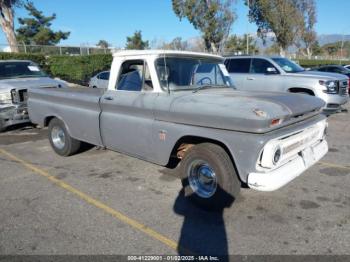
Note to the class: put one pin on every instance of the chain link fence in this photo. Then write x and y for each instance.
(57, 50)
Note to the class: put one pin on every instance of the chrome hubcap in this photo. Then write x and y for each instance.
(58, 137)
(202, 178)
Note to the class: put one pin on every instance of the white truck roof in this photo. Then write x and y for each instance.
(162, 52)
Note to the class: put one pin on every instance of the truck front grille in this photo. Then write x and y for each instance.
(343, 88)
(19, 96)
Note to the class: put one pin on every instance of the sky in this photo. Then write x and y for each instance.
(114, 20)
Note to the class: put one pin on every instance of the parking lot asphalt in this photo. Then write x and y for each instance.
(102, 202)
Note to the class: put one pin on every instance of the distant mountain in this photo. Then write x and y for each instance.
(326, 39)
(322, 40)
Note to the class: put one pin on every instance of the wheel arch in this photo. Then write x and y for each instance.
(301, 90)
(48, 119)
(187, 141)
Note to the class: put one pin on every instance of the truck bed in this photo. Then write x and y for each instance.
(79, 107)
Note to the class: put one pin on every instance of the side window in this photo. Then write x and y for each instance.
(323, 69)
(259, 66)
(334, 70)
(240, 65)
(104, 76)
(134, 76)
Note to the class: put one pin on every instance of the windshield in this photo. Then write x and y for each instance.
(182, 73)
(19, 69)
(288, 66)
(345, 70)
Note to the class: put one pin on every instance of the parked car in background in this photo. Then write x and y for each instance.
(170, 106)
(260, 73)
(334, 69)
(16, 77)
(100, 80)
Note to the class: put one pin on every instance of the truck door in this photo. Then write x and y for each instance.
(239, 70)
(263, 76)
(127, 112)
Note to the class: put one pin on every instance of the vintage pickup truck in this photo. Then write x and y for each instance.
(170, 106)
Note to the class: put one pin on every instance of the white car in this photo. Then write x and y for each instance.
(16, 78)
(100, 80)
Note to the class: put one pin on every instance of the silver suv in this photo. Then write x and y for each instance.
(260, 73)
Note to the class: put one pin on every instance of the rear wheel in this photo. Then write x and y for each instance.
(62, 143)
(208, 177)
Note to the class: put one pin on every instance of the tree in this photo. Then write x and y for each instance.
(238, 45)
(316, 49)
(273, 49)
(7, 23)
(176, 44)
(103, 44)
(37, 30)
(307, 33)
(136, 42)
(282, 17)
(339, 48)
(213, 18)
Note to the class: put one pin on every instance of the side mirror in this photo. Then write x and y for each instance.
(271, 71)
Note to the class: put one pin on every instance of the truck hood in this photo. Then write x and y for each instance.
(27, 83)
(240, 110)
(322, 75)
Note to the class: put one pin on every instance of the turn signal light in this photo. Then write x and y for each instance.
(276, 121)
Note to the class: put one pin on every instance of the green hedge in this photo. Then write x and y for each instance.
(78, 69)
(316, 63)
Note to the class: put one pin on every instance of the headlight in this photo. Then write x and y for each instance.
(271, 154)
(277, 155)
(331, 86)
(5, 97)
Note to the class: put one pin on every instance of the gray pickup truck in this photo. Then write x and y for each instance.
(16, 77)
(261, 73)
(170, 106)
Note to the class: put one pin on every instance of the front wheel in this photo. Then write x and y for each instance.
(61, 142)
(209, 177)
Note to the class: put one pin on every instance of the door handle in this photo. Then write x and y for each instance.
(109, 98)
(250, 78)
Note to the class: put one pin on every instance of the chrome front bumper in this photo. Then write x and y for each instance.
(282, 175)
(333, 101)
(14, 114)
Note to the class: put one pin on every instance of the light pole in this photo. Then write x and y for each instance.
(247, 48)
(341, 48)
(247, 43)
